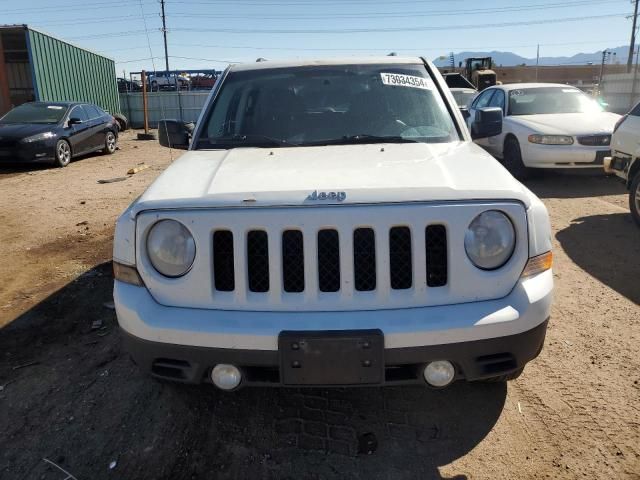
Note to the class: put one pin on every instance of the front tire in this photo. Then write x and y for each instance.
(513, 159)
(63, 153)
(110, 143)
(634, 199)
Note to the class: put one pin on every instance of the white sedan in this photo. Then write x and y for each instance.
(546, 126)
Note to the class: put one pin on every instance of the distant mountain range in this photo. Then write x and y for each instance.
(510, 59)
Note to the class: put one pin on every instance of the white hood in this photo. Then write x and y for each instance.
(365, 173)
(568, 123)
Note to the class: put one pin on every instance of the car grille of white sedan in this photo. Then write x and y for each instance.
(595, 140)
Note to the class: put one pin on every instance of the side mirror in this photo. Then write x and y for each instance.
(487, 123)
(174, 134)
(74, 121)
(464, 110)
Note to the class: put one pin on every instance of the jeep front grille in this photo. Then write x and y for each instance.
(335, 258)
(399, 255)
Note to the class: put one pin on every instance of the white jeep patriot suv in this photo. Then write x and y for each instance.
(332, 223)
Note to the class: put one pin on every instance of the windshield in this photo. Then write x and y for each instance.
(463, 98)
(35, 113)
(533, 101)
(327, 105)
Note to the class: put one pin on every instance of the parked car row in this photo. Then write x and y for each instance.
(161, 81)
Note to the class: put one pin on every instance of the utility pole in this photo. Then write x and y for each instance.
(632, 47)
(537, 61)
(164, 33)
(604, 58)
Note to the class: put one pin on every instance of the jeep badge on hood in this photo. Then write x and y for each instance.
(336, 196)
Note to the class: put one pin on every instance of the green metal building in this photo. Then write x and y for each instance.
(37, 66)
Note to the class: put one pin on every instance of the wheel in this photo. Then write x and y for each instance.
(506, 377)
(123, 123)
(110, 143)
(634, 198)
(513, 159)
(63, 153)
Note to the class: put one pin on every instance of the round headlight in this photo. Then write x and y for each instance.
(490, 240)
(171, 248)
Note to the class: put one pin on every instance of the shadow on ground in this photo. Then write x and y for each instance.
(69, 394)
(575, 184)
(588, 241)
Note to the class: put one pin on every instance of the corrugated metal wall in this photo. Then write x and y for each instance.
(618, 91)
(175, 105)
(64, 72)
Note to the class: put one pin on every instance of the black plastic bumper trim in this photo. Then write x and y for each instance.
(473, 360)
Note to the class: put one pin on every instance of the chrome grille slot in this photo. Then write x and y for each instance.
(400, 258)
(364, 259)
(258, 261)
(328, 261)
(292, 261)
(223, 270)
(436, 251)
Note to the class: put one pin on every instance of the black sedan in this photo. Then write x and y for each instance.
(55, 132)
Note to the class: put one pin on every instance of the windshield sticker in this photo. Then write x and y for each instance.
(517, 93)
(54, 107)
(399, 80)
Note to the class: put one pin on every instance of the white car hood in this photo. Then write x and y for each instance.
(568, 123)
(380, 173)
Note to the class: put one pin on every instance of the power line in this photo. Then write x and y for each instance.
(88, 20)
(405, 14)
(205, 59)
(361, 30)
(314, 3)
(70, 6)
(397, 29)
(386, 48)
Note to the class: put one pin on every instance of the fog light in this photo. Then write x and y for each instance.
(439, 373)
(226, 377)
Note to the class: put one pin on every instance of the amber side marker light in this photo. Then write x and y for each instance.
(127, 274)
(538, 264)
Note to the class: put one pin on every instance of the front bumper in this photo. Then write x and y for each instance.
(27, 152)
(563, 156)
(618, 164)
(482, 339)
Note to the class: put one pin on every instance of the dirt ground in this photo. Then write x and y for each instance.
(68, 394)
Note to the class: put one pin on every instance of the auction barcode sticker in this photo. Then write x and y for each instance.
(400, 80)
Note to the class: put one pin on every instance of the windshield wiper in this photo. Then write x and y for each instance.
(253, 140)
(363, 138)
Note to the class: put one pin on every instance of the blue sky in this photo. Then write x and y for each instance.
(208, 33)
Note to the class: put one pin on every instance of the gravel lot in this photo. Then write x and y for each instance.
(69, 395)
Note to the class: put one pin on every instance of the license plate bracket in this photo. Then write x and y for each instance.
(354, 357)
